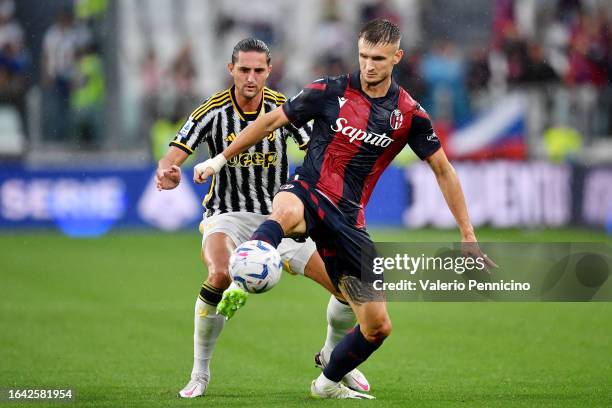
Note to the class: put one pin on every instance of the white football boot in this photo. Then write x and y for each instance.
(336, 391)
(196, 387)
(355, 379)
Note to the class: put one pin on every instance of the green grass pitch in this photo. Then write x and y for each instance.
(112, 318)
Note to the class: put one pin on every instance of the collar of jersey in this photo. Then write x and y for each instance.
(245, 116)
(390, 97)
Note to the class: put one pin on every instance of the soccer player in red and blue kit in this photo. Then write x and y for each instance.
(361, 122)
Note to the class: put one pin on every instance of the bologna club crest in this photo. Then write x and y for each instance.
(396, 119)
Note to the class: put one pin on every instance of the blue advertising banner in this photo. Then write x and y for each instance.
(90, 202)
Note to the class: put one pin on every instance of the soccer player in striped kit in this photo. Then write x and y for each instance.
(240, 198)
(361, 122)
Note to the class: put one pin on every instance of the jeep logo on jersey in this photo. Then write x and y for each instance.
(254, 159)
(396, 119)
(360, 134)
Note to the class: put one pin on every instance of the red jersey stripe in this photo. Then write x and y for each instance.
(400, 136)
(339, 153)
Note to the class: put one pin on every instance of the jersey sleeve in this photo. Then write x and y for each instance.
(301, 136)
(422, 139)
(195, 130)
(307, 104)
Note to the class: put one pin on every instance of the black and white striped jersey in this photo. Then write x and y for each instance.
(249, 181)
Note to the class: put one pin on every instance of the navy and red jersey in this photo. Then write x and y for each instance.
(355, 137)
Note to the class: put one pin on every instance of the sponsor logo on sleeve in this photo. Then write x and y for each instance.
(433, 137)
(186, 127)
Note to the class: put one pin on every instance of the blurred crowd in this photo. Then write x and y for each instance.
(15, 61)
(560, 49)
(565, 45)
(569, 45)
(168, 95)
(72, 75)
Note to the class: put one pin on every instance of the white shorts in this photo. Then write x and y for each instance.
(239, 226)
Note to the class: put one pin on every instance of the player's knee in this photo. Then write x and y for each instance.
(377, 333)
(287, 215)
(218, 276)
(386, 328)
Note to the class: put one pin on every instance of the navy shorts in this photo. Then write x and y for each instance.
(347, 251)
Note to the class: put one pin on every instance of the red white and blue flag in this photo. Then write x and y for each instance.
(498, 134)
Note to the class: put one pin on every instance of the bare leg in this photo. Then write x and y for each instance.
(315, 270)
(216, 253)
(374, 320)
(288, 211)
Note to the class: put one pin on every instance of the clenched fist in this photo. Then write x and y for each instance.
(168, 178)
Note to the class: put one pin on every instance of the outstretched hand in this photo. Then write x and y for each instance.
(471, 249)
(168, 178)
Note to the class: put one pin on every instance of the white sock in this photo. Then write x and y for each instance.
(322, 382)
(340, 319)
(207, 327)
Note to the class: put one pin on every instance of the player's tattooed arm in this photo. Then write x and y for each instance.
(168, 174)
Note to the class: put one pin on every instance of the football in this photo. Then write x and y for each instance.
(256, 266)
